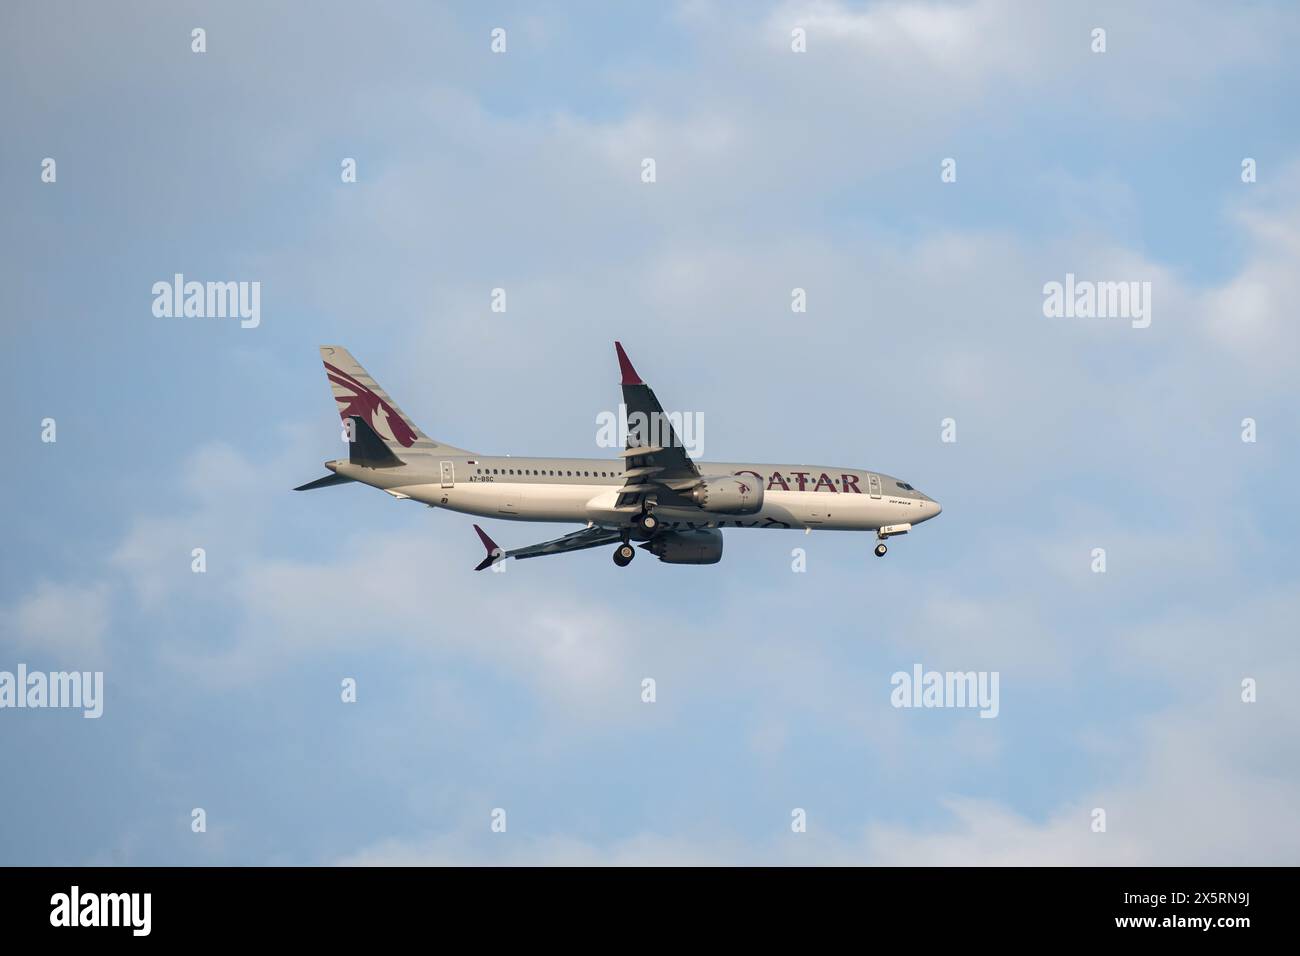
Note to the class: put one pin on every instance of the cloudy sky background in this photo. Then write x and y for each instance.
(775, 170)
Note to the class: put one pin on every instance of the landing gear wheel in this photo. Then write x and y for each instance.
(624, 554)
(881, 550)
(648, 523)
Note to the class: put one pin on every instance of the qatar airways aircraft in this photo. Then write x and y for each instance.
(653, 493)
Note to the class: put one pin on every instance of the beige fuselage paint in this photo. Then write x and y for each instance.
(585, 490)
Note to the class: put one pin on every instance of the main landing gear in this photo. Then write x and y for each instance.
(646, 526)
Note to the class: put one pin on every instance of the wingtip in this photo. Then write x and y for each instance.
(493, 552)
(630, 377)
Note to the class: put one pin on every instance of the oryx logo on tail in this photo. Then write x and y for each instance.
(365, 403)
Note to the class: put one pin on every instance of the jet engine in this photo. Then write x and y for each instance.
(699, 546)
(729, 494)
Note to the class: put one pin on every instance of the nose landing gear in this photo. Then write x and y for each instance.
(888, 531)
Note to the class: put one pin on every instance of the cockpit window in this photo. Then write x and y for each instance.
(905, 486)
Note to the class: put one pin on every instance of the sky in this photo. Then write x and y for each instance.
(1158, 691)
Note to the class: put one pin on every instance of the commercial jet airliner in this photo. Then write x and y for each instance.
(653, 493)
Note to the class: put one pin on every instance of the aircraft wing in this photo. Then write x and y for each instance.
(657, 462)
(592, 537)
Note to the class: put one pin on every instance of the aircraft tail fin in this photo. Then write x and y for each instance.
(360, 397)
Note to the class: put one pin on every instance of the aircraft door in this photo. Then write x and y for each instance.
(448, 474)
(873, 485)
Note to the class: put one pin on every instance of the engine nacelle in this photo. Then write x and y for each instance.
(699, 546)
(729, 494)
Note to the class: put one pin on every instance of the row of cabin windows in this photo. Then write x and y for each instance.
(544, 473)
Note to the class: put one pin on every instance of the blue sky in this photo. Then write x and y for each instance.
(775, 170)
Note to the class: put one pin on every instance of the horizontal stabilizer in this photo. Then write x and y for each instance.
(324, 482)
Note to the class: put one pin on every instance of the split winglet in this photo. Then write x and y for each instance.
(493, 552)
(630, 377)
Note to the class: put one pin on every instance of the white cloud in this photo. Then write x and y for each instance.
(1198, 796)
(1252, 316)
(1198, 793)
(66, 622)
(509, 849)
(952, 43)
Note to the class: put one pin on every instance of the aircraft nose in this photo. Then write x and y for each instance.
(930, 508)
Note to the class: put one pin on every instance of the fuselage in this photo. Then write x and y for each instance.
(586, 489)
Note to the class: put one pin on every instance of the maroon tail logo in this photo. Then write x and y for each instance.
(365, 403)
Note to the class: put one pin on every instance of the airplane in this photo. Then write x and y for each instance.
(652, 494)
